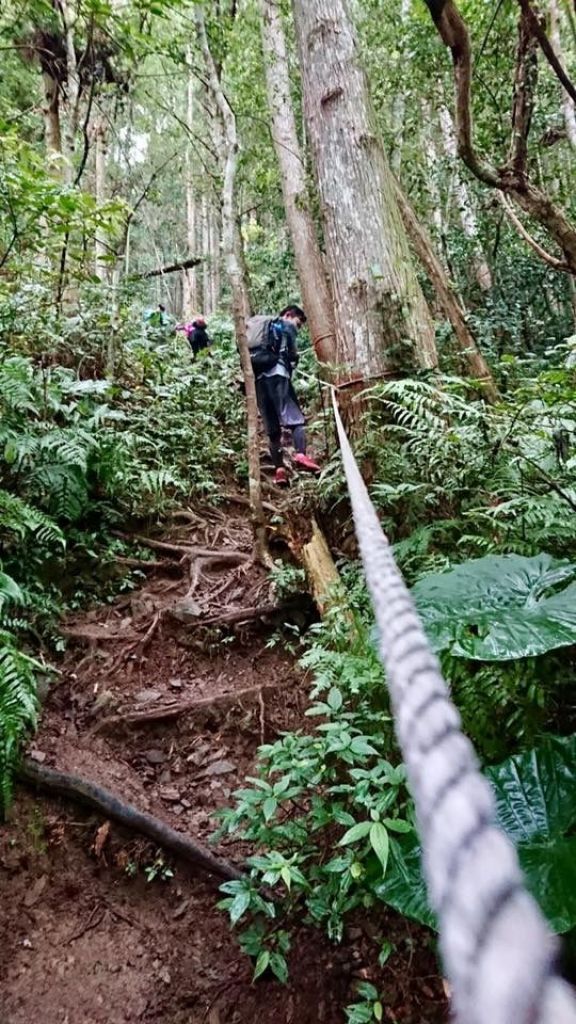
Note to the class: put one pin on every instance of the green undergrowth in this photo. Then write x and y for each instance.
(84, 456)
(479, 504)
(328, 813)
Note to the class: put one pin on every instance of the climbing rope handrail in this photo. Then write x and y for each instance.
(498, 952)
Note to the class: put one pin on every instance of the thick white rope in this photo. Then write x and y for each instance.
(498, 952)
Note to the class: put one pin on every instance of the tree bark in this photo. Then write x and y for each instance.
(476, 365)
(314, 288)
(568, 108)
(51, 113)
(383, 324)
(240, 303)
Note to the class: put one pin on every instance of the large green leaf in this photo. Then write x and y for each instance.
(536, 804)
(550, 870)
(500, 607)
(536, 791)
(403, 887)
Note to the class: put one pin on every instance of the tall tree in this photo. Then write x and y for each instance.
(314, 288)
(383, 324)
(240, 300)
(189, 280)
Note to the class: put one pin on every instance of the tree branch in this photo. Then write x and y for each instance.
(553, 261)
(538, 29)
(532, 200)
(525, 77)
(454, 34)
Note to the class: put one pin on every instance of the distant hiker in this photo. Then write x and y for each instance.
(156, 317)
(272, 344)
(197, 335)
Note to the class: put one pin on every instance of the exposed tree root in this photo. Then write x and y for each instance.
(193, 551)
(174, 710)
(82, 791)
(242, 499)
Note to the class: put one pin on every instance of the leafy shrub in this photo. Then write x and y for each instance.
(328, 812)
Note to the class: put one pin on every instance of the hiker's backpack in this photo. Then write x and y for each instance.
(265, 342)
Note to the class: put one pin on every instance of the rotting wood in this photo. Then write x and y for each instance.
(83, 791)
(322, 574)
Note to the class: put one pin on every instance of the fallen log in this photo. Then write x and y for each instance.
(170, 269)
(83, 791)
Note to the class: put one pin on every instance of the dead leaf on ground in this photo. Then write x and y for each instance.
(100, 840)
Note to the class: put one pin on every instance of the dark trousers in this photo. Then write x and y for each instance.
(279, 408)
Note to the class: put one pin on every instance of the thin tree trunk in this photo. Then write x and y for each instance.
(240, 307)
(189, 279)
(207, 254)
(399, 109)
(567, 102)
(215, 255)
(465, 204)
(432, 164)
(314, 288)
(51, 113)
(383, 324)
(101, 152)
(69, 18)
(475, 363)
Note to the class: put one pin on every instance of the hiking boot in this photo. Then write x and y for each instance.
(281, 477)
(305, 462)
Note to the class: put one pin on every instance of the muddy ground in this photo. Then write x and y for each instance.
(86, 938)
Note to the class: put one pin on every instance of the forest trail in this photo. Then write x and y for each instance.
(88, 939)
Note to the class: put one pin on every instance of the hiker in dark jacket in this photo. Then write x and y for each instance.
(277, 400)
(196, 334)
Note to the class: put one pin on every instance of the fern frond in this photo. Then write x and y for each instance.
(21, 518)
(18, 708)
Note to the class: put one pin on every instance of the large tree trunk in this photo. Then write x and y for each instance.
(476, 365)
(466, 213)
(383, 324)
(567, 101)
(314, 289)
(240, 304)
